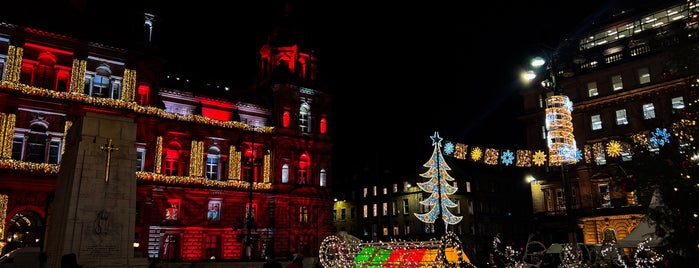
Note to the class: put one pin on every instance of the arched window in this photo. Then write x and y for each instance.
(286, 119)
(323, 126)
(172, 160)
(36, 142)
(305, 118)
(213, 167)
(304, 166)
(323, 179)
(285, 173)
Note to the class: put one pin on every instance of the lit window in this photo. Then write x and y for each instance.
(323, 126)
(212, 163)
(305, 118)
(648, 111)
(366, 211)
(285, 173)
(621, 117)
(366, 191)
(596, 122)
(385, 191)
(303, 214)
(617, 84)
(678, 103)
(592, 89)
(406, 207)
(395, 187)
(394, 207)
(323, 178)
(384, 209)
(375, 191)
(643, 76)
(375, 210)
(140, 156)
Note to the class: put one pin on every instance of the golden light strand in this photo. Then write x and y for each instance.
(196, 162)
(3, 215)
(267, 173)
(8, 132)
(77, 76)
(65, 134)
(14, 63)
(158, 154)
(234, 164)
(129, 90)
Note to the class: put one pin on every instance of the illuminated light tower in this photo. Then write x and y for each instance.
(559, 134)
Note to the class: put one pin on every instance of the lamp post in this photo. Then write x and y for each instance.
(249, 219)
(559, 134)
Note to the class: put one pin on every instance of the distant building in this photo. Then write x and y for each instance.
(620, 79)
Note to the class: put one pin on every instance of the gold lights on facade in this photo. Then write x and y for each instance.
(559, 129)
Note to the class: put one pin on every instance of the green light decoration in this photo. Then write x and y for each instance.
(439, 187)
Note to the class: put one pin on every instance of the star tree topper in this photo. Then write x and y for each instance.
(439, 187)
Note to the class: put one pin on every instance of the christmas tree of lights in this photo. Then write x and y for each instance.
(439, 188)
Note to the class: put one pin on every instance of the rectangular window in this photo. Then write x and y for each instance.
(406, 208)
(376, 191)
(366, 191)
(643, 76)
(54, 150)
(458, 206)
(678, 103)
(212, 245)
(303, 214)
(375, 210)
(396, 230)
(407, 228)
(406, 186)
(214, 208)
(621, 117)
(543, 132)
(395, 187)
(384, 209)
(617, 84)
(592, 89)
(140, 156)
(171, 213)
(648, 111)
(394, 207)
(596, 122)
(385, 190)
(366, 211)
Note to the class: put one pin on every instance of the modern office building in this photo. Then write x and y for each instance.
(202, 171)
(626, 92)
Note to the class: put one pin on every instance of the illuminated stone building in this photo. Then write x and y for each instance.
(621, 82)
(198, 145)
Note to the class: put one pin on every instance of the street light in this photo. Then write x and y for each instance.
(559, 133)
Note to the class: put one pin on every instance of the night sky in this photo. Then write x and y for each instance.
(399, 72)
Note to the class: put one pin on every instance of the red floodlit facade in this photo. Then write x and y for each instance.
(196, 153)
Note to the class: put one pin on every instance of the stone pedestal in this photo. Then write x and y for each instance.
(93, 214)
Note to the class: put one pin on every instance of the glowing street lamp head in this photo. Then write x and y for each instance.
(538, 62)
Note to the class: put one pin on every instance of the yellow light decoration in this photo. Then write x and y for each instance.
(38, 168)
(539, 158)
(3, 215)
(524, 158)
(196, 163)
(559, 129)
(14, 63)
(158, 154)
(476, 154)
(614, 148)
(8, 132)
(65, 133)
(460, 151)
(234, 163)
(200, 181)
(267, 173)
(131, 106)
(491, 156)
(77, 75)
(129, 89)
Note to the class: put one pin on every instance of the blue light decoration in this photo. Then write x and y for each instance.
(507, 158)
(448, 148)
(659, 138)
(439, 187)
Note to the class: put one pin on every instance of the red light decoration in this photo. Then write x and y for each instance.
(286, 119)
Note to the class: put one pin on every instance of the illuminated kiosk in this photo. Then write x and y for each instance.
(447, 252)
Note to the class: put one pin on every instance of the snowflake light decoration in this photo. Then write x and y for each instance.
(448, 148)
(476, 154)
(539, 158)
(578, 155)
(614, 148)
(507, 158)
(659, 138)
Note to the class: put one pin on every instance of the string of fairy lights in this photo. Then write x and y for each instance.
(445, 252)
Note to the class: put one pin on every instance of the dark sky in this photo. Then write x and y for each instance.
(399, 71)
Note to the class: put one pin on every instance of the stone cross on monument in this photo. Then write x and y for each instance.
(108, 148)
